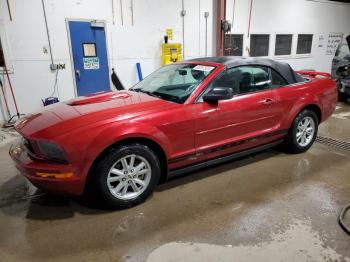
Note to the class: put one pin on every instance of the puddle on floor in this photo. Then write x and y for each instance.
(298, 243)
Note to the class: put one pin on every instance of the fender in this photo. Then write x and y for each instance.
(117, 133)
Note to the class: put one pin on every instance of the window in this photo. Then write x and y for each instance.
(259, 45)
(228, 79)
(174, 82)
(276, 79)
(283, 45)
(233, 45)
(246, 79)
(304, 44)
(260, 79)
(89, 49)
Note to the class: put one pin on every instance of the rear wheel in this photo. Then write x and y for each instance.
(303, 132)
(126, 175)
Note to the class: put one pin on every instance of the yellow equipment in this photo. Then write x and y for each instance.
(171, 52)
(169, 33)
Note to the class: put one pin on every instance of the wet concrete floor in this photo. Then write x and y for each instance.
(274, 205)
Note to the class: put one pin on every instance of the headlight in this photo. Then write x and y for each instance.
(46, 150)
(52, 152)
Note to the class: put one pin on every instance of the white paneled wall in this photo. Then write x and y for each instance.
(292, 17)
(128, 44)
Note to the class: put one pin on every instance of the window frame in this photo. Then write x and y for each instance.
(291, 46)
(297, 42)
(199, 98)
(268, 47)
(236, 34)
(95, 48)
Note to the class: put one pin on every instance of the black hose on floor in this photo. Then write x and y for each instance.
(341, 219)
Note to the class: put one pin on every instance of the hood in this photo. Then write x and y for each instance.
(99, 98)
(60, 118)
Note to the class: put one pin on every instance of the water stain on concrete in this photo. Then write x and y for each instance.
(299, 242)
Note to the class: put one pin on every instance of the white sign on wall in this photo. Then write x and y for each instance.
(321, 40)
(334, 39)
(91, 63)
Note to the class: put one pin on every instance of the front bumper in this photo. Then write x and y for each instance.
(31, 169)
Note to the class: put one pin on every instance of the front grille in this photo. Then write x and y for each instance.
(332, 142)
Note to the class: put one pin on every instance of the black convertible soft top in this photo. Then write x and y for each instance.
(233, 61)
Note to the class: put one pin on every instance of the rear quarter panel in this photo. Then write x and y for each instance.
(321, 92)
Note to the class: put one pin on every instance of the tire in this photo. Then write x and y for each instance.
(300, 138)
(347, 96)
(114, 172)
(342, 97)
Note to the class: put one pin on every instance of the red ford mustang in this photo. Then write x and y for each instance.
(185, 116)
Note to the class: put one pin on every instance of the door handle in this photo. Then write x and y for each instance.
(77, 73)
(268, 101)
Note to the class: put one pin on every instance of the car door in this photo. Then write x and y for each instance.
(242, 121)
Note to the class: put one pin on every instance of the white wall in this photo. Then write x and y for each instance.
(32, 79)
(292, 17)
(26, 36)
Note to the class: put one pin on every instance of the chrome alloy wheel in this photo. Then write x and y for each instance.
(305, 131)
(129, 177)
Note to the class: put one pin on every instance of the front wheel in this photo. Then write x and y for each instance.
(126, 175)
(303, 132)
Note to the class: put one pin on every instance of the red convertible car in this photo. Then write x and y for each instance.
(117, 145)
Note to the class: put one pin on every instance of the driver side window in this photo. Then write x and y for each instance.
(228, 79)
(243, 79)
(248, 79)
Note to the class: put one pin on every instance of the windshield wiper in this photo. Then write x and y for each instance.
(148, 93)
(168, 97)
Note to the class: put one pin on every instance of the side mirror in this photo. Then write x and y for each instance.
(218, 93)
(182, 72)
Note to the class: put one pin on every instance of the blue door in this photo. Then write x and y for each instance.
(90, 57)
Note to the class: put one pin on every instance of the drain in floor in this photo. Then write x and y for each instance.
(333, 142)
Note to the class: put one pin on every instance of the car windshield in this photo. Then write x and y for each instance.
(174, 82)
(342, 51)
